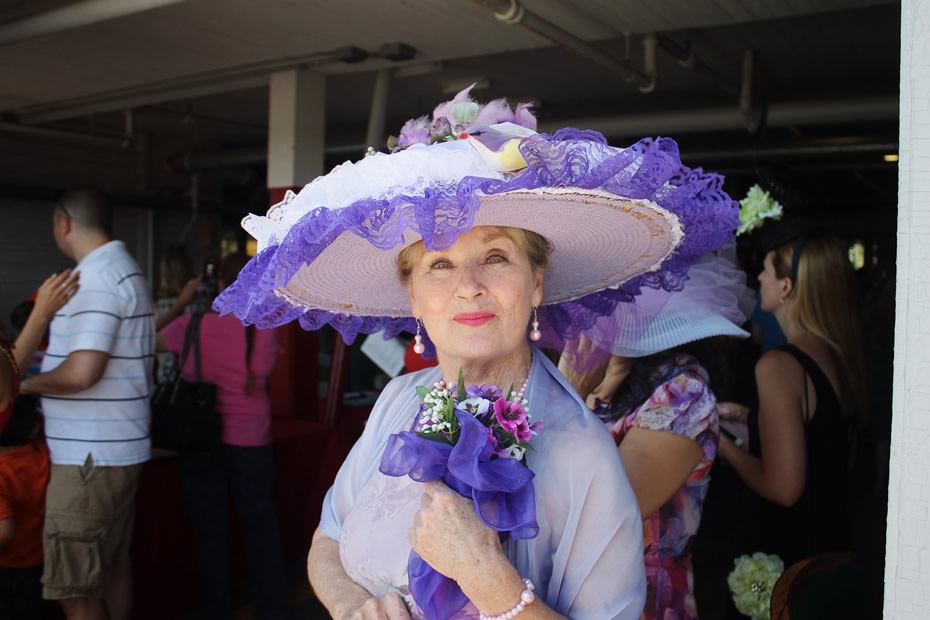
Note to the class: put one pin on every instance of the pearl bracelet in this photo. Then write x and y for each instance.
(526, 597)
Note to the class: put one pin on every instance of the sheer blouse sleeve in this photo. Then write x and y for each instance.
(394, 409)
(587, 561)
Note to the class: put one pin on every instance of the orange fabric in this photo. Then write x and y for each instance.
(23, 477)
(7, 350)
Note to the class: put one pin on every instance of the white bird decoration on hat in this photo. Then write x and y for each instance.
(498, 144)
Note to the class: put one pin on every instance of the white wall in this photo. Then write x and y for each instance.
(907, 562)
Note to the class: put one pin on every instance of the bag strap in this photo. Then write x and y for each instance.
(249, 343)
(191, 338)
(197, 320)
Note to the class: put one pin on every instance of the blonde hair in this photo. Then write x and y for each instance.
(536, 247)
(825, 305)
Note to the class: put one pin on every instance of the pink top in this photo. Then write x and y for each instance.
(246, 417)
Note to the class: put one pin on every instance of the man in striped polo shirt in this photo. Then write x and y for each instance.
(95, 386)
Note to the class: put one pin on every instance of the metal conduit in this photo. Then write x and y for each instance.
(512, 12)
(220, 80)
(64, 135)
(730, 118)
(74, 15)
(253, 156)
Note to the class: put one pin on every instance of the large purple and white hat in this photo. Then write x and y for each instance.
(617, 219)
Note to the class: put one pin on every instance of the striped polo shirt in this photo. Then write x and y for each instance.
(111, 312)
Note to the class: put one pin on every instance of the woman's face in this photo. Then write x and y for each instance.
(773, 289)
(475, 298)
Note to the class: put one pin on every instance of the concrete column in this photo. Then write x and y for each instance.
(907, 559)
(296, 128)
(377, 118)
(296, 132)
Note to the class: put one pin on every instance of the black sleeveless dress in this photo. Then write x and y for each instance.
(819, 521)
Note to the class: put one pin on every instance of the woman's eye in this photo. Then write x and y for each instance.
(496, 258)
(440, 264)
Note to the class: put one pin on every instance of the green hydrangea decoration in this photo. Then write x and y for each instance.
(752, 581)
(755, 208)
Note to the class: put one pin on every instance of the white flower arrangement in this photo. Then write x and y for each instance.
(506, 417)
(755, 208)
(752, 581)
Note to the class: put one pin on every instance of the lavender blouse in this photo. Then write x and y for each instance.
(586, 562)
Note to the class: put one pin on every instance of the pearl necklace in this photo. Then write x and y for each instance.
(441, 388)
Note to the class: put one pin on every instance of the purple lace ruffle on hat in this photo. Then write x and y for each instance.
(650, 169)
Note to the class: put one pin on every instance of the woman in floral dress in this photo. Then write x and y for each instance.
(656, 399)
(681, 412)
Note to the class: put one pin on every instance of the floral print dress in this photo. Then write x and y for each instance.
(682, 404)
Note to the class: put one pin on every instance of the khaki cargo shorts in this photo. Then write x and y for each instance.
(88, 527)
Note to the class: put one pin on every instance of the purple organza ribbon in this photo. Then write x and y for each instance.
(502, 492)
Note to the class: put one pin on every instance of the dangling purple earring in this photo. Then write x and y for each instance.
(535, 334)
(418, 346)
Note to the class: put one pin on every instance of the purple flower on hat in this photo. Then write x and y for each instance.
(440, 128)
(497, 111)
(512, 417)
(445, 110)
(414, 131)
(523, 117)
(486, 391)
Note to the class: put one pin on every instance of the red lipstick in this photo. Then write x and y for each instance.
(473, 319)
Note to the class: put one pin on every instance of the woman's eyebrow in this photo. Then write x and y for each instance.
(491, 236)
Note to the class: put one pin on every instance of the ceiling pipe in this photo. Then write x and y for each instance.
(228, 158)
(686, 57)
(199, 84)
(514, 13)
(74, 15)
(194, 163)
(730, 118)
(237, 158)
(810, 149)
(625, 125)
(62, 135)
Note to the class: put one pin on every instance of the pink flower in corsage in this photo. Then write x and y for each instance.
(513, 418)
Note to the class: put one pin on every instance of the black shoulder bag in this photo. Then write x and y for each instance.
(184, 416)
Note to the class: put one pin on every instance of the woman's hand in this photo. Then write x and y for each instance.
(449, 535)
(733, 411)
(189, 293)
(185, 298)
(583, 364)
(54, 293)
(388, 607)
(618, 368)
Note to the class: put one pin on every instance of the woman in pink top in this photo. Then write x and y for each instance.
(238, 360)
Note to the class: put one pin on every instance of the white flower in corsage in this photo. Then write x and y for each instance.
(755, 208)
(752, 582)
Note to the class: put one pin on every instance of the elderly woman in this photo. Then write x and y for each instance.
(467, 240)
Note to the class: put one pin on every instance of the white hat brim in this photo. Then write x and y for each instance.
(598, 240)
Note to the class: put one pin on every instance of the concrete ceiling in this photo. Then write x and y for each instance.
(197, 36)
(805, 50)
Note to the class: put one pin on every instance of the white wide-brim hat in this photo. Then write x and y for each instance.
(715, 301)
(615, 218)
